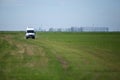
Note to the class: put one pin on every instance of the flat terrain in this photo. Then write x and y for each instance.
(60, 56)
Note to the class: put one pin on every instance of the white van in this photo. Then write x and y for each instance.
(30, 33)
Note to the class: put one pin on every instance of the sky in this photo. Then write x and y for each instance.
(19, 14)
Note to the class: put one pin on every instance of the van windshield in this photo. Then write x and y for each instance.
(30, 31)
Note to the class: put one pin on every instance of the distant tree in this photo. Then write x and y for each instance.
(107, 29)
(59, 29)
(51, 29)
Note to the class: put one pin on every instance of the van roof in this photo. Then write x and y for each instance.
(30, 28)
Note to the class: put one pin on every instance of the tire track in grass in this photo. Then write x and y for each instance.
(44, 59)
(53, 69)
(68, 68)
(56, 64)
(61, 60)
(33, 52)
(93, 59)
(29, 57)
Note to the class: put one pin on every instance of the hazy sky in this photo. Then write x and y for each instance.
(18, 14)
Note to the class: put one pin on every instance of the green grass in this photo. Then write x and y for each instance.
(60, 56)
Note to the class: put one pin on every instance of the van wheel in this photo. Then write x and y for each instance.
(26, 37)
(33, 37)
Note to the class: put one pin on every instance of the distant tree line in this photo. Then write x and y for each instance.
(80, 29)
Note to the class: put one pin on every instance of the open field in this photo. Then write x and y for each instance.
(60, 56)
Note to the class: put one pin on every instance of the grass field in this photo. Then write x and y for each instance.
(60, 56)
